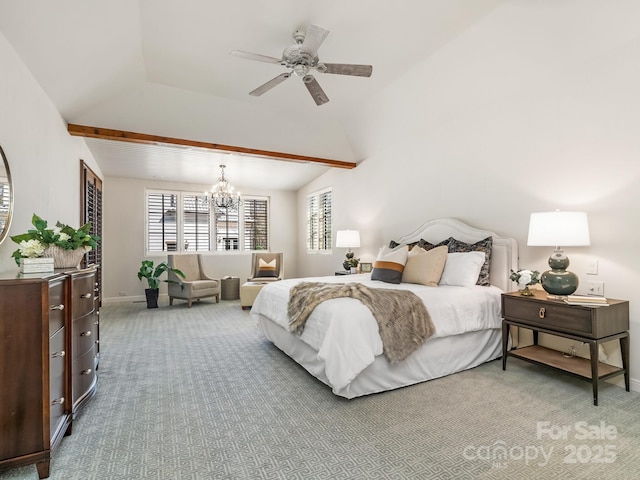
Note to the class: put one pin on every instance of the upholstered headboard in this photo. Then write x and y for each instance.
(504, 251)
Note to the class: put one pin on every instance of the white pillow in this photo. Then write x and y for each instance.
(462, 269)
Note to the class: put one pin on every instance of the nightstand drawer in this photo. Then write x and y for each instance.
(546, 314)
(541, 312)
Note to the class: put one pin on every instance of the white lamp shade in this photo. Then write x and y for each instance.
(348, 238)
(558, 229)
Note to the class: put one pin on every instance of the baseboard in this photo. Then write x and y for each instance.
(129, 299)
(634, 385)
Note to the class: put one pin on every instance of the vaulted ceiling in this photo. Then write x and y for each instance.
(162, 67)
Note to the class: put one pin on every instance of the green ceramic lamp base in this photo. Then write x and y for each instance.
(559, 281)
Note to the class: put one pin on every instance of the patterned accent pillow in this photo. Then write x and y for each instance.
(481, 246)
(389, 264)
(422, 243)
(425, 267)
(266, 269)
(394, 244)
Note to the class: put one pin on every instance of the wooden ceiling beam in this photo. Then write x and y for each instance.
(122, 136)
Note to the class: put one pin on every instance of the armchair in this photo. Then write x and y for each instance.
(196, 284)
(266, 267)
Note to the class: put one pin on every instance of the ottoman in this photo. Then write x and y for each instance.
(248, 293)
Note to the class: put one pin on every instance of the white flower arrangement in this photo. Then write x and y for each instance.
(525, 277)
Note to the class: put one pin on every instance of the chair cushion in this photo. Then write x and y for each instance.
(202, 284)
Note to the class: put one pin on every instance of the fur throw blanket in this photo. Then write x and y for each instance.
(403, 320)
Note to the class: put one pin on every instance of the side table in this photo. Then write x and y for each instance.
(230, 288)
(586, 324)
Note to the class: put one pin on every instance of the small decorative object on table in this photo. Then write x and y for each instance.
(366, 267)
(524, 278)
(63, 244)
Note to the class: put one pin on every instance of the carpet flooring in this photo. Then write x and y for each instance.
(200, 394)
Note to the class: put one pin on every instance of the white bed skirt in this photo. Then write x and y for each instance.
(436, 358)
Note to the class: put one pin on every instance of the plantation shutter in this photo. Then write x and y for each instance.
(256, 223)
(319, 221)
(324, 226)
(312, 222)
(196, 223)
(162, 234)
(227, 233)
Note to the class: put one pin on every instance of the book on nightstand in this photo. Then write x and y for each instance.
(586, 300)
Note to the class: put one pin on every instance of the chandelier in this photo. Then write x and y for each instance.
(222, 194)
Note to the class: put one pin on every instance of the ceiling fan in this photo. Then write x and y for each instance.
(300, 59)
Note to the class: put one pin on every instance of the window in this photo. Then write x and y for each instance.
(256, 224)
(181, 222)
(319, 221)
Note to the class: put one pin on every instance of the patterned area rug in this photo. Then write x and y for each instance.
(200, 394)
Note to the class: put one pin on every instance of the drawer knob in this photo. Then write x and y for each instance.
(86, 372)
(59, 401)
(85, 295)
(86, 334)
(57, 307)
(542, 312)
(61, 353)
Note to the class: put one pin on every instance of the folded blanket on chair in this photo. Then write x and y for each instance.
(403, 320)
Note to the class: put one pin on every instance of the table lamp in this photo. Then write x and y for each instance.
(558, 229)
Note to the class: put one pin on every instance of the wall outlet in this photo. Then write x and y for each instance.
(596, 288)
(122, 294)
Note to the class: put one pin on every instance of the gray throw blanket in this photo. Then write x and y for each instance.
(403, 320)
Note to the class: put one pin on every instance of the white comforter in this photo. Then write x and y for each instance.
(345, 333)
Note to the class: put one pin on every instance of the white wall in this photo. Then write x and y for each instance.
(43, 158)
(533, 109)
(124, 234)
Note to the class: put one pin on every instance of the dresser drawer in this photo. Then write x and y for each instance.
(84, 375)
(57, 374)
(82, 292)
(84, 335)
(56, 306)
(555, 316)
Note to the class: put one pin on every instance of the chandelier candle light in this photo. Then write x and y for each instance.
(349, 239)
(222, 194)
(559, 229)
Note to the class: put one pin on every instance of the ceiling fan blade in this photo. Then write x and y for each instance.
(314, 38)
(348, 69)
(270, 84)
(254, 56)
(315, 90)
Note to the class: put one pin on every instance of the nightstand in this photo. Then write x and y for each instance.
(590, 325)
(342, 272)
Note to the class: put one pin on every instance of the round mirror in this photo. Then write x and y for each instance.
(6, 197)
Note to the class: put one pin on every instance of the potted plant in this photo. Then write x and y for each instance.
(351, 262)
(63, 243)
(152, 274)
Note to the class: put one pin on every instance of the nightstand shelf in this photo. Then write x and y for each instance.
(576, 366)
(589, 325)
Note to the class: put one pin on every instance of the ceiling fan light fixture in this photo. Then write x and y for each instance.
(300, 70)
(301, 58)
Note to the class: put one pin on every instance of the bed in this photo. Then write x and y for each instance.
(341, 346)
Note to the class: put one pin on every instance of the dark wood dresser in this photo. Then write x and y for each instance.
(48, 360)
